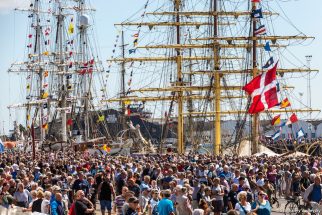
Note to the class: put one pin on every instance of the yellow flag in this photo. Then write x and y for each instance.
(28, 117)
(45, 126)
(46, 53)
(71, 28)
(45, 95)
(101, 118)
(106, 148)
(127, 102)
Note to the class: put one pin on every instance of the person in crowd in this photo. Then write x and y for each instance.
(83, 206)
(106, 195)
(243, 207)
(262, 206)
(22, 196)
(165, 206)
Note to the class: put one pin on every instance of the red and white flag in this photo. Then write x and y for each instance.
(263, 91)
(293, 119)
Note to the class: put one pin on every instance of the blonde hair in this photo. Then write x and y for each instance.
(242, 194)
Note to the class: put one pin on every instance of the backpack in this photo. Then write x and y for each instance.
(155, 210)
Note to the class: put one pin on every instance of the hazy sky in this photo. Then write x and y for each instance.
(306, 15)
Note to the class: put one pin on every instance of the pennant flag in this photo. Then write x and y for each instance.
(267, 47)
(28, 117)
(135, 42)
(69, 122)
(82, 72)
(45, 126)
(300, 134)
(70, 65)
(69, 76)
(276, 120)
(46, 53)
(28, 86)
(257, 13)
(127, 102)
(276, 135)
(71, 28)
(69, 87)
(45, 105)
(101, 118)
(46, 74)
(285, 103)
(132, 51)
(261, 30)
(292, 119)
(45, 95)
(106, 148)
(136, 35)
(1, 146)
(30, 36)
(91, 62)
(45, 85)
(268, 63)
(263, 91)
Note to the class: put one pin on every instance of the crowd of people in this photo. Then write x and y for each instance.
(64, 183)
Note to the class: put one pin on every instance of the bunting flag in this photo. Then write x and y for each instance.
(106, 148)
(292, 119)
(45, 126)
(46, 74)
(135, 42)
(69, 87)
(1, 146)
(257, 13)
(132, 51)
(261, 30)
(30, 36)
(276, 135)
(71, 28)
(263, 91)
(256, 1)
(45, 95)
(101, 118)
(267, 47)
(28, 87)
(45, 106)
(285, 103)
(46, 53)
(69, 122)
(127, 102)
(269, 63)
(45, 85)
(300, 133)
(70, 65)
(136, 35)
(276, 120)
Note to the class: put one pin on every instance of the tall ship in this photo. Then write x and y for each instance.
(197, 65)
(190, 75)
(65, 78)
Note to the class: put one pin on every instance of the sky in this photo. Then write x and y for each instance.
(304, 14)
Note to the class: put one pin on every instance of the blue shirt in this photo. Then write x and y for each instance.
(264, 209)
(56, 208)
(165, 207)
(316, 193)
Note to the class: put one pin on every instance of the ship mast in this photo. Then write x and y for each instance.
(216, 83)
(122, 93)
(37, 50)
(255, 117)
(61, 68)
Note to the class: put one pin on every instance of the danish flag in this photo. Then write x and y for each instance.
(263, 91)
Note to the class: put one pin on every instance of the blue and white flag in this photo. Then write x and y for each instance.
(300, 133)
(267, 47)
(257, 13)
(268, 63)
(1, 146)
(276, 135)
(132, 51)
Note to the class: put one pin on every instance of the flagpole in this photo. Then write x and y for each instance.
(254, 136)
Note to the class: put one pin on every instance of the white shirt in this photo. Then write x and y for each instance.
(260, 182)
(44, 208)
(241, 211)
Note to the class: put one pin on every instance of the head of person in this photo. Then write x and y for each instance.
(234, 187)
(133, 203)
(317, 180)
(124, 190)
(242, 196)
(80, 195)
(40, 194)
(166, 193)
(33, 194)
(261, 196)
(20, 187)
(216, 181)
(58, 197)
(203, 204)
(47, 195)
(155, 194)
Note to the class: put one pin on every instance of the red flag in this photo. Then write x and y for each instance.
(285, 103)
(292, 119)
(256, 1)
(69, 122)
(263, 91)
